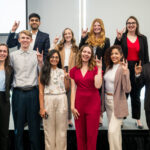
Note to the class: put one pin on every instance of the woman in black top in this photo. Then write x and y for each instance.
(5, 81)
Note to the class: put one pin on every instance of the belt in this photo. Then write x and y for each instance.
(110, 94)
(25, 88)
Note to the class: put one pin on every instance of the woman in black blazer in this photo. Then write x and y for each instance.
(96, 38)
(5, 82)
(135, 48)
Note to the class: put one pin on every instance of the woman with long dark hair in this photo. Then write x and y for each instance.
(5, 84)
(53, 101)
(115, 85)
(68, 49)
(86, 79)
(135, 48)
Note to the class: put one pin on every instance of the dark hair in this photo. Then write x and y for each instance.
(7, 61)
(107, 56)
(34, 15)
(137, 32)
(46, 69)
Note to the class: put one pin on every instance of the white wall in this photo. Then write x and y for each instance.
(58, 14)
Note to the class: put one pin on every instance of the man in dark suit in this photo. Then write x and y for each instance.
(40, 39)
(143, 79)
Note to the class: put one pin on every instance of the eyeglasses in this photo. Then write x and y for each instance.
(129, 23)
(53, 57)
(4, 51)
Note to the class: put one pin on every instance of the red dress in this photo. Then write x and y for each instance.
(87, 102)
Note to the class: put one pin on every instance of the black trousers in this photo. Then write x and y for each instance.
(135, 93)
(4, 121)
(25, 107)
(147, 114)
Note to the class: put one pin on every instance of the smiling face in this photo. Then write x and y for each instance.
(34, 23)
(86, 54)
(54, 60)
(68, 35)
(96, 28)
(3, 53)
(131, 25)
(115, 56)
(24, 40)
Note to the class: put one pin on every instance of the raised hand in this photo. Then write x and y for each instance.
(124, 65)
(98, 62)
(84, 32)
(15, 26)
(120, 33)
(39, 56)
(138, 68)
(56, 39)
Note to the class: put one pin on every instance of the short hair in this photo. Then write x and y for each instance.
(34, 15)
(26, 32)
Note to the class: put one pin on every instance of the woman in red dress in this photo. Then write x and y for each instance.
(86, 79)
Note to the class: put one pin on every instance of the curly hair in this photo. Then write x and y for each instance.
(137, 32)
(92, 62)
(73, 41)
(107, 57)
(92, 40)
(46, 69)
(7, 60)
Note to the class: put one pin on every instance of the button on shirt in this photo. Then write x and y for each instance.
(25, 65)
(2, 80)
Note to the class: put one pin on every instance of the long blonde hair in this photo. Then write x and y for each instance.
(92, 61)
(92, 40)
(73, 41)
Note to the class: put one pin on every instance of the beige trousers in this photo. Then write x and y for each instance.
(55, 126)
(114, 125)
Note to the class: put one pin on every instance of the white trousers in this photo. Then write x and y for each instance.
(114, 125)
(55, 126)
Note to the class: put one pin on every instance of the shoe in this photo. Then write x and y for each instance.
(70, 125)
(139, 126)
(100, 124)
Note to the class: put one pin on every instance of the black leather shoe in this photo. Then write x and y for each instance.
(100, 124)
(139, 126)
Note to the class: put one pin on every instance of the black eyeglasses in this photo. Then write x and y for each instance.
(53, 57)
(129, 23)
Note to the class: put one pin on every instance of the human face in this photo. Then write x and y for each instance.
(68, 35)
(25, 41)
(34, 23)
(97, 28)
(54, 60)
(3, 53)
(115, 56)
(131, 25)
(86, 54)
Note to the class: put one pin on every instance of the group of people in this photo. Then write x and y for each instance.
(64, 79)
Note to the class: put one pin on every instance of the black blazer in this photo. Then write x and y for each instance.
(144, 79)
(143, 53)
(42, 42)
(100, 52)
(8, 82)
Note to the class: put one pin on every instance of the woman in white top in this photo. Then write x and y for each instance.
(116, 84)
(68, 49)
(53, 102)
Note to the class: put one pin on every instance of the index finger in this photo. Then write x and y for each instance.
(140, 63)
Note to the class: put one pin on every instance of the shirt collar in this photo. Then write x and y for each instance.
(22, 51)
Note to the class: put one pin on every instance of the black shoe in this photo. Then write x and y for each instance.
(139, 126)
(70, 125)
(100, 124)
